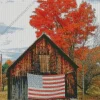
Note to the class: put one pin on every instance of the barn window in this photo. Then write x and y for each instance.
(44, 63)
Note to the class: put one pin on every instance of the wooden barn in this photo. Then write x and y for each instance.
(52, 60)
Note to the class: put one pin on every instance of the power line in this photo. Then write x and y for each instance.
(17, 18)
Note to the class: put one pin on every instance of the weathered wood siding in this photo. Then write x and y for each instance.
(46, 55)
(51, 62)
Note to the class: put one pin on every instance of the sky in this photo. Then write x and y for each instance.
(16, 35)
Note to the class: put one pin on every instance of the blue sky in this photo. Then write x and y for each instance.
(94, 0)
(21, 35)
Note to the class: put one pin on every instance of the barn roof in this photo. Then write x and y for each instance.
(53, 44)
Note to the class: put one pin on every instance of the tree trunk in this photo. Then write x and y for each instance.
(71, 52)
(3, 87)
(85, 89)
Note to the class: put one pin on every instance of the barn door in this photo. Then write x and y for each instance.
(19, 88)
(14, 87)
(23, 88)
(71, 85)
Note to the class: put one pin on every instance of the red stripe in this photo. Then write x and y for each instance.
(45, 94)
(49, 79)
(53, 75)
(53, 82)
(45, 90)
(58, 97)
(53, 86)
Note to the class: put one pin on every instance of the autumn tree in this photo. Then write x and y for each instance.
(9, 62)
(5, 66)
(65, 22)
(91, 64)
(93, 69)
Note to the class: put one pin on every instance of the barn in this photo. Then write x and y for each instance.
(52, 60)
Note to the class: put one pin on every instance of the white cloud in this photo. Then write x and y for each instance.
(6, 57)
(19, 39)
(6, 29)
(12, 50)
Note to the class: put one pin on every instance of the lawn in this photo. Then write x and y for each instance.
(93, 94)
(88, 97)
(3, 95)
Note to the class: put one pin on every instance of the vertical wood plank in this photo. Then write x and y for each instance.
(9, 90)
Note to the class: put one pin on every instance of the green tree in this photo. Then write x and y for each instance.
(5, 66)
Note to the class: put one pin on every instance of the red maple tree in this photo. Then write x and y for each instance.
(65, 22)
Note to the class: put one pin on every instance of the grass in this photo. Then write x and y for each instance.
(3, 94)
(93, 94)
(88, 97)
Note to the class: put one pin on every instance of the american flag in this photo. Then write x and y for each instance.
(46, 86)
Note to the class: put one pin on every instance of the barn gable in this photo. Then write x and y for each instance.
(44, 38)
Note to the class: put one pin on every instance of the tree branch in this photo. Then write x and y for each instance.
(96, 75)
(79, 86)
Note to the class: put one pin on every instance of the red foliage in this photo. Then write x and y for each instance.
(81, 53)
(9, 62)
(65, 22)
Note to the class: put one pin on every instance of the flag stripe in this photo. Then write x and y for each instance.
(52, 78)
(46, 94)
(53, 82)
(53, 92)
(55, 87)
(48, 90)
